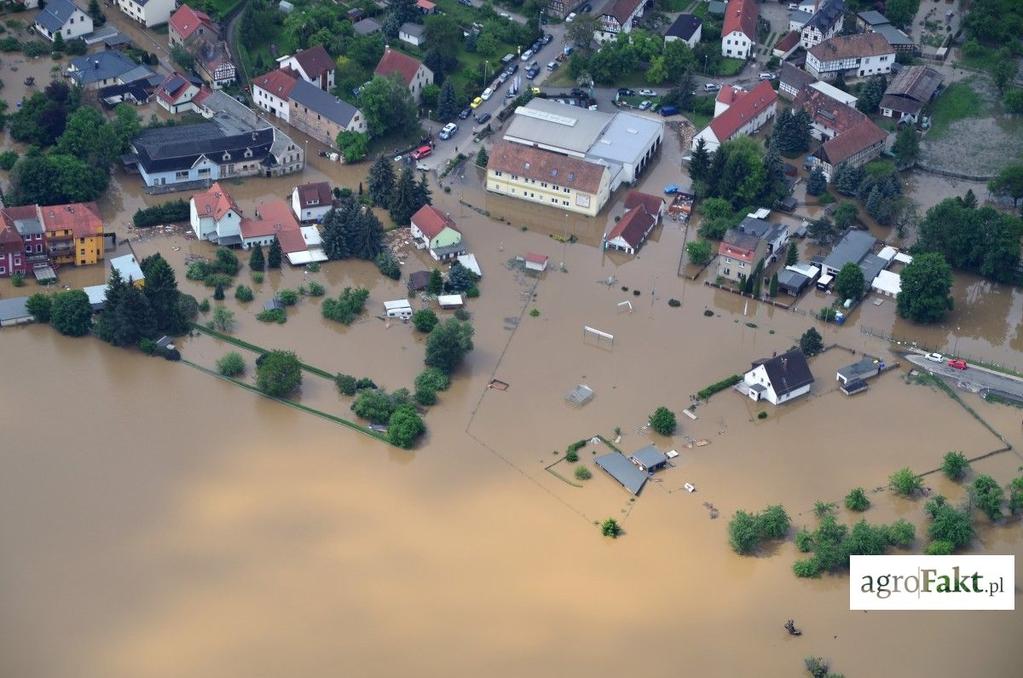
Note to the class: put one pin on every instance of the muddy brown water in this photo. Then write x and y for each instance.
(155, 521)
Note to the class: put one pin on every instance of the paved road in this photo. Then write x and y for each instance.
(974, 378)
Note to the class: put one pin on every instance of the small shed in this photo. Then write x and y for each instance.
(418, 281)
(273, 304)
(450, 301)
(580, 395)
(44, 274)
(791, 282)
(399, 308)
(536, 262)
(887, 283)
(129, 269)
(862, 369)
(14, 311)
(97, 296)
(649, 459)
(621, 469)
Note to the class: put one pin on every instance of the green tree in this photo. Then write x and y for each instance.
(988, 496)
(354, 145)
(374, 405)
(347, 307)
(792, 254)
(278, 373)
(346, 384)
(816, 183)
(948, 524)
(273, 258)
(773, 289)
(223, 319)
(906, 147)
(424, 320)
(161, 290)
(387, 106)
(663, 421)
(459, 278)
(1013, 101)
(1004, 68)
(436, 284)
(1016, 495)
(388, 265)
(699, 163)
(847, 179)
(811, 343)
(743, 533)
(482, 158)
(404, 427)
(447, 102)
(1009, 182)
(381, 182)
(870, 95)
(218, 292)
(39, 306)
(857, 500)
(58, 43)
(96, 13)
(231, 365)
(845, 215)
(849, 283)
(433, 378)
(955, 465)
(905, 483)
(447, 344)
(699, 251)
(611, 528)
(256, 260)
(925, 289)
(71, 313)
(403, 205)
(243, 293)
(901, 12)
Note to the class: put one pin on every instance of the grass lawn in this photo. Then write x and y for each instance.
(730, 67)
(957, 102)
(672, 5)
(983, 61)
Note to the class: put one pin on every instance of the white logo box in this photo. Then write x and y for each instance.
(914, 582)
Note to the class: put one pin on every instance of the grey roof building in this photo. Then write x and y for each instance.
(94, 69)
(865, 367)
(648, 459)
(56, 14)
(176, 148)
(872, 18)
(791, 282)
(367, 27)
(417, 31)
(787, 372)
(13, 311)
(685, 26)
(896, 38)
(852, 248)
(330, 107)
(624, 471)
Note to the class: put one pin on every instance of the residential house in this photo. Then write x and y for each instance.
(779, 379)
(410, 71)
(857, 146)
(823, 24)
(560, 8)
(187, 23)
(687, 27)
(618, 17)
(306, 107)
(855, 56)
(413, 34)
(274, 220)
(544, 177)
(175, 93)
(14, 250)
(63, 17)
(149, 13)
(129, 269)
(739, 32)
(14, 311)
(786, 45)
(73, 233)
(314, 65)
(792, 80)
(909, 91)
(426, 7)
(213, 63)
(215, 216)
(738, 113)
(367, 27)
(746, 245)
(435, 231)
(829, 117)
(855, 247)
(649, 459)
(102, 69)
(311, 202)
(642, 214)
(272, 92)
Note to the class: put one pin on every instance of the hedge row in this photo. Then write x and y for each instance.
(167, 213)
(719, 386)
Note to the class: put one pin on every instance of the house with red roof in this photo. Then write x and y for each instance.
(313, 65)
(632, 229)
(856, 146)
(215, 216)
(311, 202)
(273, 218)
(175, 93)
(410, 71)
(272, 92)
(618, 17)
(739, 31)
(739, 114)
(435, 231)
(187, 23)
(72, 233)
(13, 256)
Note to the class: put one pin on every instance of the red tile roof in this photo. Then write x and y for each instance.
(314, 195)
(291, 241)
(744, 108)
(858, 138)
(534, 258)
(790, 40)
(652, 203)
(186, 21)
(633, 227)
(214, 202)
(432, 221)
(315, 61)
(403, 65)
(9, 235)
(278, 83)
(728, 94)
(827, 112)
(741, 16)
(201, 96)
(426, 5)
(546, 166)
(623, 9)
(82, 218)
(173, 88)
(272, 217)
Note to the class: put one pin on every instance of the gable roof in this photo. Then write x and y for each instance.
(173, 88)
(315, 61)
(103, 65)
(796, 78)
(622, 9)
(279, 82)
(652, 203)
(327, 105)
(873, 18)
(743, 109)
(56, 14)
(394, 62)
(737, 244)
(214, 202)
(367, 26)
(315, 194)
(827, 112)
(185, 21)
(547, 166)
(81, 218)
(851, 249)
(273, 217)
(415, 30)
(624, 471)
(179, 147)
(826, 16)
(431, 221)
(918, 83)
(787, 372)
(684, 26)
(649, 456)
(741, 16)
(857, 46)
(860, 136)
(633, 226)
(788, 42)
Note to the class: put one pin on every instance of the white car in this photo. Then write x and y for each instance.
(487, 93)
(711, 87)
(643, 105)
(527, 55)
(647, 93)
(448, 131)
(935, 357)
(570, 18)
(767, 76)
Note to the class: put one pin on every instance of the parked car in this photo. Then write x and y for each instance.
(421, 152)
(552, 65)
(512, 68)
(448, 131)
(647, 93)
(957, 364)
(467, 3)
(507, 58)
(669, 110)
(505, 15)
(546, 39)
(570, 18)
(935, 357)
(625, 92)
(527, 55)
(465, 114)
(476, 103)
(671, 189)
(711, 87)
(482, 119)
(767, 76)
(530, 74)
(643, 105)
(487, 93)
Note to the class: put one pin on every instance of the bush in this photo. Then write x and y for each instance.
(388, 265)
(955, 465)
(804, 541)
(582, 473)
(18, 279)
(347, 307)
(231, 365)
(175, 211)
(273, 315)
(426, 396)
(762, 415)
(221, 280)
(313, 267)
(315, 289)
(218, 293)
(257, 277)
(204, 306)
(287, 297)
(432, 378)
(988, 496)
(243, 293)
(346, 384)
(571, 456)
(663, 421)
(404, 427)
(949, 523)
(279, 373)
(699, 251)
(424, 320)
(811, 343)
(39, 306)
(147, 346)
(806, 569)
(900, 533)
(674, 303)
(35, 48)
(461, 314)
(223, 319)
(905, 483)
(374, 405)
(940, 548)
(719, 386)
(535, 313)
(611, 528)
(746, 531)
(857, 500)
(473, 292)
(7, 160)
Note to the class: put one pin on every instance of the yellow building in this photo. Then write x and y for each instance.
(74, 233)
(548, 178)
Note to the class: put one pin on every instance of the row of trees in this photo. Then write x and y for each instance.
(832, 544)
(980, 240)
(740, 172)
(402, 195)
(131, 314)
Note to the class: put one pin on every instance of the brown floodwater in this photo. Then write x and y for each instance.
(155, 521)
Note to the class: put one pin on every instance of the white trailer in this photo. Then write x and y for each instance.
(399, 308)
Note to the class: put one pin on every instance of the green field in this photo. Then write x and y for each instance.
(957, 102)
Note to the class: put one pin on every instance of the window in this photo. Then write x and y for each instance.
(2, 270)
(83, 253)
(181, 175)
(497, 173)
(17, 261)
(28, 248)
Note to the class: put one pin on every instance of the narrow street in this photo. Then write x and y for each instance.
(973, 378)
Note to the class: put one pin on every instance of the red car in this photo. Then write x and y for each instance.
(421, 152)
(957, 364)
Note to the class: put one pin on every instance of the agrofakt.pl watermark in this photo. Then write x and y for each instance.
(932, 582)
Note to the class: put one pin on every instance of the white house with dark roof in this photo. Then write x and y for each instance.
(413, 34)
(779, 379)
(311, 202)
(687, 27)
(314, 65)
(149, 13)
(856, 56)
(63, 17)
(824, 23)
(102, 69)
(618, 17)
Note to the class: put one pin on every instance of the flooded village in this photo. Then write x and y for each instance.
(169, 517)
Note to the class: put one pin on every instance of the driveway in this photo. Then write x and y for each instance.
(974, 378)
